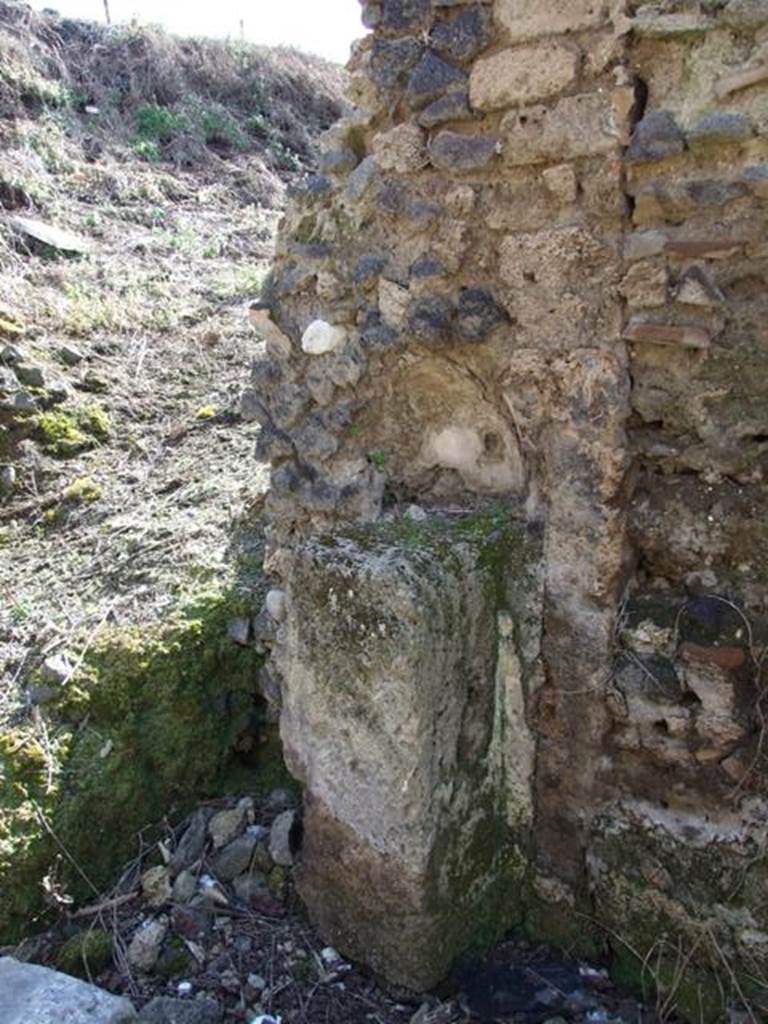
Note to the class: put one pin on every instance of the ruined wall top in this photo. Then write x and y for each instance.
(519, 179)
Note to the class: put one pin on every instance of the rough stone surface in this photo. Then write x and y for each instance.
(147, 941)
(234, 858)
(391, 60)
(451, 151)
(430, 78)
(465, 36)
(720, 126)
(401, 149)
(576, 126)
(561, 181)
(191, 844)
(645, 285)
(156, 886)
(29, 993)
(521, 76)
(360, 651)
(404, 14)
(525, 20)
(454, 106)
(655, 137)
(224, 826)
(280, 849)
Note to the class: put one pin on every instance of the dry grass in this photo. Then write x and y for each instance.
(214, 96)
(180, 245)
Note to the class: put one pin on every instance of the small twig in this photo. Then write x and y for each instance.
(89, 641)
(97, 908)
(49, 829)
(45, 743)
(30, 507)
(732, 975)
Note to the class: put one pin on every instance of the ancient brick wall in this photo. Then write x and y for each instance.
(531, 276)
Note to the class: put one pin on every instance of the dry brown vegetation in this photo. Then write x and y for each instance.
(227, 96)
(170, 158)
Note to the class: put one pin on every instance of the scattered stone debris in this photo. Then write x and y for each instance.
(212, 933)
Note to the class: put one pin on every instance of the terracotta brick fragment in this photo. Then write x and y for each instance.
(740, 80)
(722, 657)
(667, 334)
(705, 249)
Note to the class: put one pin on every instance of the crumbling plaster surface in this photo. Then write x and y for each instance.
(531, 273)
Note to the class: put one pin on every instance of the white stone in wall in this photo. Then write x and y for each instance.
(321, 337)
(463, 449)
(275, 603)
(457, 447)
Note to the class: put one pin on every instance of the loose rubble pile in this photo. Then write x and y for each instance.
(212, 932)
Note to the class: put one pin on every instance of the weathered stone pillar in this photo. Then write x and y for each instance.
(405, 725)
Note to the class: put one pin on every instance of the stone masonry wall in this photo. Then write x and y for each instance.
(531, 279)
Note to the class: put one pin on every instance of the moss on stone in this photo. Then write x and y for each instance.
(84, 489)
(677, 944)
(500, 864)
(656, 957)
(502, 542)
(175, 960)
(152, 723)
(562, 925)
(86, 954)
(68, 432)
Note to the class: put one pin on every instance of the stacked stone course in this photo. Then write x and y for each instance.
(532, 270)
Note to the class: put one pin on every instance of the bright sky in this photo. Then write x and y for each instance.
(326, 27)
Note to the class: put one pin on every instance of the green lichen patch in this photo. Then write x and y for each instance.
(84, 489)
(157, 718)
(505, 548)
(67, 432)
(484, 896)
(681, 917)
